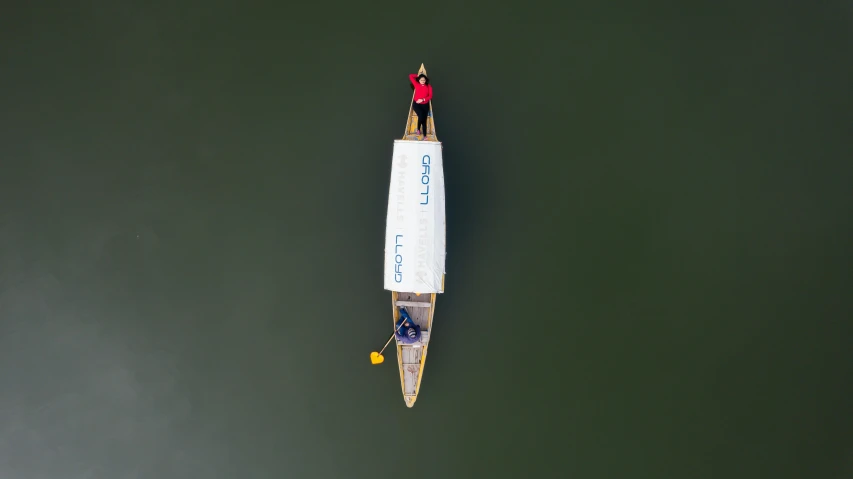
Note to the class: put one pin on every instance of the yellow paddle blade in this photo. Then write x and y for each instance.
(376, 358)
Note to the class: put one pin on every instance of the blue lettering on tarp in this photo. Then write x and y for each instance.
(398, 259)
(425, 161)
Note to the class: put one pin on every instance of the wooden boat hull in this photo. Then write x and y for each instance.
(411, 358)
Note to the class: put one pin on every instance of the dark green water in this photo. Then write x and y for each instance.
(648, 205)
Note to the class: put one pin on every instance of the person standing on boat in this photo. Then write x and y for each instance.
(423, 94)
(406, 331)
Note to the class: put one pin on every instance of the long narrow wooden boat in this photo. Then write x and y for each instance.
(415, 233)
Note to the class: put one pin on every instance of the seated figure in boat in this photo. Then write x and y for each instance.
(406, 330)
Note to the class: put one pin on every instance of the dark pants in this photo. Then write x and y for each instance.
(422, 110)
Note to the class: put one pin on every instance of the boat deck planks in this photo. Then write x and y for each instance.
(419, 315)
(413, 127)
(410, 358)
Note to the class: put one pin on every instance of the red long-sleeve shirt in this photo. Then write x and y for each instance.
(422, 92)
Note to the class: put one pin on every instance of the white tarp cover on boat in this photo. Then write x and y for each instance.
(415, 226)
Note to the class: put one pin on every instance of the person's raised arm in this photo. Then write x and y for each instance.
(413, 77)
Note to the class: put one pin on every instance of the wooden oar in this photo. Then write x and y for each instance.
(378, 358)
